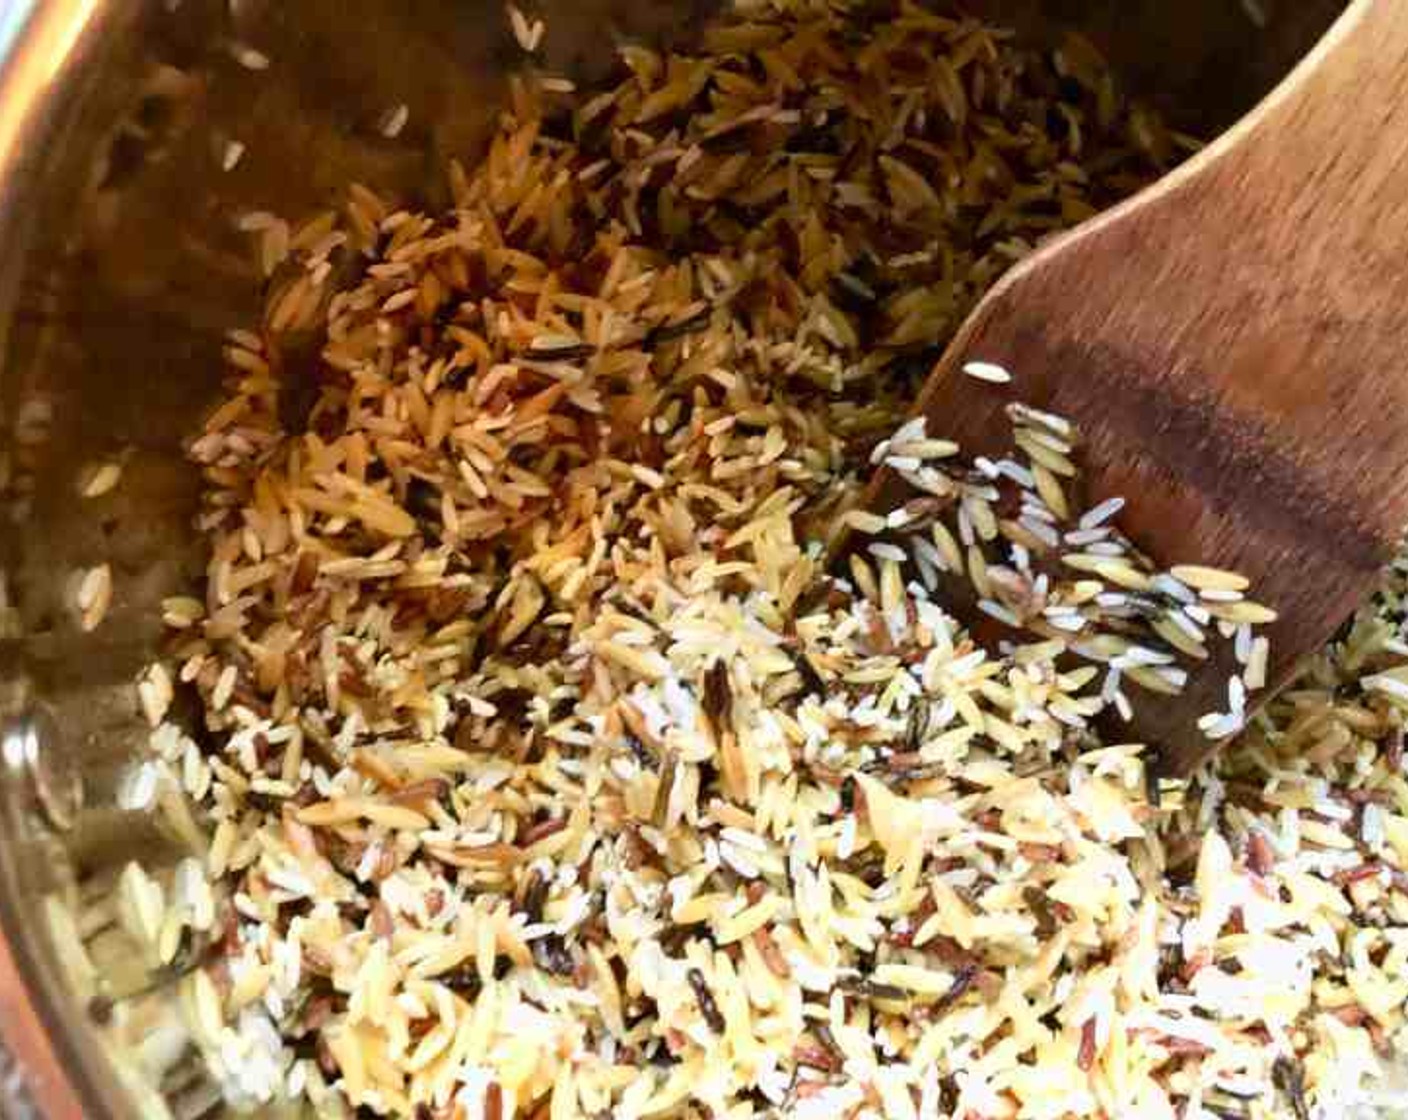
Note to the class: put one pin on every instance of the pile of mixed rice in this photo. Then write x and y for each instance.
(548, 772)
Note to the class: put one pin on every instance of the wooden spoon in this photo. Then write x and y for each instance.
(1233, 344)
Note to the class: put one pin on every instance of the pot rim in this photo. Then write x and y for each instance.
(46, 46)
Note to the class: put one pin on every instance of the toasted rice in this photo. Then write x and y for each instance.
(554, 775)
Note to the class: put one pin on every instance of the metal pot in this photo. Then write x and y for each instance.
(132, 132)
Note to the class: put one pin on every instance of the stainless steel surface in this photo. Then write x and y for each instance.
(122, 265)
(16, 1099)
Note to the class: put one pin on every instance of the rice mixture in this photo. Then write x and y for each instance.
(548, 772)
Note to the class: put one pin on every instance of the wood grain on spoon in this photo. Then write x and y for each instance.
(1233, 343)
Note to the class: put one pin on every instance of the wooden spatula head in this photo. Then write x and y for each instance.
(1233, 345)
